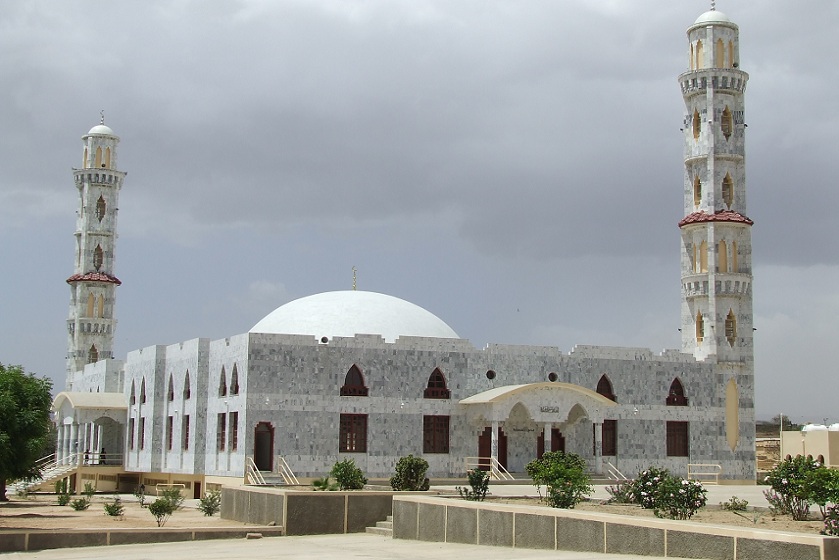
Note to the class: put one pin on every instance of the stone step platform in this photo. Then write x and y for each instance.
(384, 528)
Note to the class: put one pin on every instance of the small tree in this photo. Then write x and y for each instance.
(678, 498)
(564, 476)
(646, 486)
(161, 509)
(115, 508)
(410, 474)
(210, 504)
(174, 496)
(822, 487)
(788, 480)
(479, 481)
(348, 475)
(24, 423)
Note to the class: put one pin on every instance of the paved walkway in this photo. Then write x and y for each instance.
(339, 547)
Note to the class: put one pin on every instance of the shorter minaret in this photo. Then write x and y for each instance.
(91, 323)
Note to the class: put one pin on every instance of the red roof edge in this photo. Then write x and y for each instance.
(721, 216)
(94, 277)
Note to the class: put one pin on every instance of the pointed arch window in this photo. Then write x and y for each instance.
(703, 257)
(107, 162)
(699, 55)
(727, 123)
(692, 60)
(222, 383)
(98, 257)
(676, 394)
(187, 390)
(728, 190)
(731, 55)
(437, 388)
(719, 54)
(354, 383)
(100, 307)
(697, 124)
(609, 432)
(143, 393)
(98, 161)
(731, 327)
(722, 256)
(697, 191)
(170, 393)
(734, 257)
(84, 159)
(604, 387)
(133, 398)
(234, 381)
(700, 327)
(92, 354)
(100, 208)
(91, 304)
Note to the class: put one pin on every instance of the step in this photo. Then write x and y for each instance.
(380, 531)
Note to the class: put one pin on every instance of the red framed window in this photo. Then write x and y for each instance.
(221, 431)
(354, 383)
(234, 431)
(170, 428)
(353, 433)
(678, 439)
(435, 434)
(436, 388)
(185, 429)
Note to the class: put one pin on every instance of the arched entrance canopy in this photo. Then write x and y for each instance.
(545, 402)
(87, 422)
(71, 405)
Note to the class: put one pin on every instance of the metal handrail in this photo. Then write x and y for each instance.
(252, 474)
(286, 472)
(613, 472)
(496, 469)
(705, 469)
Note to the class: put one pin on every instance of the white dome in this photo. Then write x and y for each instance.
(712, 16)
(101, 130)
(348, 313)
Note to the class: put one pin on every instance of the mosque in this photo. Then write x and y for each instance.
(370, 377)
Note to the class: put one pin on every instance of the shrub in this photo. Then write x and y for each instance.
(622, 493)
(678, 498)
(63, 499)
(564, 476)
(61, 492)
(161, 509)
(115, 508)
(788, 480)
(89, 490)
(80, 505)
(174, 496)
(140, 494)
(324, 484)
(210, 504)
(646, 486)
(479, 481)
(348, 475)
(831, 521)
(734, 504)
(410, 474)
(822, 487)
(776, 503)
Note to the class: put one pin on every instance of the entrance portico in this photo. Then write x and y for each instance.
(548, 406)
(90, 424)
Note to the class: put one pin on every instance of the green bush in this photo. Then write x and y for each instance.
(89, 490)
(324, 484)
(678, 498)
(80, 504)
(63, 499)
(348, 475)
(140, 494)
(788, 480)
(210, 504)
(410, 474)
(479, 481)
(822, 487)
(161, 509)
(831, 522)
(174, 496)
(734, 504)
(646, 486)
(62, 493)
(115, 508)
(622, 493)
(564, 475)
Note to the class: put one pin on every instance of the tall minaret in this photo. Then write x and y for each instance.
(91, 323)
(716, 234)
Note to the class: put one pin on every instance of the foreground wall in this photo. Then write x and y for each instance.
(458, 521)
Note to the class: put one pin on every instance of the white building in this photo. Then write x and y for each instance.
(371, 377)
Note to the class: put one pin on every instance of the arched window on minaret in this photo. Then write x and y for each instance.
(187, 389)
(90, 305)
(143, 391)
(676, 394)
(170, 392)
(697, 124)
(731, 328)
(100, 208)
(703, 256)
(692, 61)
(604, 387)
(92, 354)
(694, 261)
(722, 256)
(222, 383)
(354, 383)
(697, 191)
(107, 162)
(234, 381)
(133, 398)
(700, 327)
(728, 190)
(436, 387)
(84, 158)
(98, 161)
(727, 123)
(100, 307)
(719, 54)
(731, 54)
(734, 257)
(699, 54)
(98, 257)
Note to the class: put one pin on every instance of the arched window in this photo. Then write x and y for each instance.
(731, 327)
(170, 393)
(92, 354)
(697, 124)
(719, 54)
(692, 60)
(107, 162)
(234, 381)
(354, 384)
(222, 383)
(98, 161)
(133, 398)
(143, 391)
(100, 208)
(84, 158)
(604, 387)
(727, 123)
(734, 257)
(91, 303)
(98, 257)
(731, 54)
(722, 257)
(700, 327)
(703, 257)
(699, 55)
(728, 190)
(697, 191)
(100, 308)
(676, 395)
(187, 390)
(436, 388)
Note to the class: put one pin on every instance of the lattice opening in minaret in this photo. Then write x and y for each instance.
(728, 190)
(731, 328)
(700, 327)
(100, 208)
(92, 354)
(697, 191)
(98, 257)
(727, 123)
(697, 124)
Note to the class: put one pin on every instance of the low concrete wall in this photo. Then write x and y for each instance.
(26, 540)
(305, 512)
(451, 520)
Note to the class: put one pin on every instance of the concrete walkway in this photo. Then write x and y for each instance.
(338, 547)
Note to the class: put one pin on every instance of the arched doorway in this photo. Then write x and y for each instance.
(557, 442)
(263, 446)
(485, 447)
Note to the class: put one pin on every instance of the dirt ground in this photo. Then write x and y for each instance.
(42, 512)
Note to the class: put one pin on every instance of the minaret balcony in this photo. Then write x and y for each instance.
(724, 284)
(721, 79)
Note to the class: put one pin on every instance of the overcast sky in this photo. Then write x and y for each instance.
(513, 167)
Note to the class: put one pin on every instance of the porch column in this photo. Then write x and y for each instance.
(494, 442)
(546, 438)
(59, 445)
(85, 447)
(98, 447)
(598, 447)
(74, 443)
(65, 445)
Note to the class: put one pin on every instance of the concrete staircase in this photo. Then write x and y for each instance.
(384, 528)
